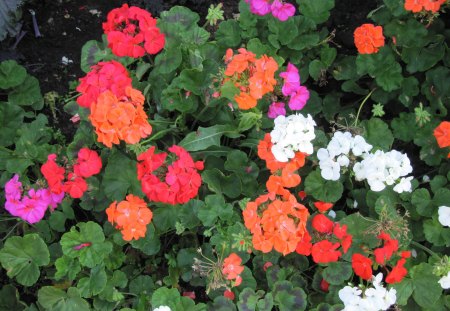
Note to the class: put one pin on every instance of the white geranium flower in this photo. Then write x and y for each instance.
(330, 170)
(404, 185)
(162, 308)
(360, 146)
(350, 295)
(444, 215)
(445, 281)
(343, 160)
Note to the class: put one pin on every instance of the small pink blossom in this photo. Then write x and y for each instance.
(33, 206)
(13, 188)
(259, 7)
(276, 109)
(282, 11)
(75, 118)
(299, 98)
(291, 80)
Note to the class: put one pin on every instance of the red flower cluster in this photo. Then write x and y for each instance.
(333, 236)
(104, 76)
(362, 265)
(130, 216)
(174, 183)
(417, 6)
(88, 164)
(132, 31)
(232, 268)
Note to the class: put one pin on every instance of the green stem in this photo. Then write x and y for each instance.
(424, 248)
(197, 116)
(362, 104)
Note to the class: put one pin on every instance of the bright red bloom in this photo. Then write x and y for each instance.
(228, 294)
(324, 285)
(325, 252)
(132, 31)
(322, 224)
(88, 163)
(305, 245)
(384, 253)
(341, 233)
(75, 186)
(398, 272)
(189, 295)
(362, 266)
(368, 38)
(323, 206)
(174, 183)
(54, 174)
(104, 76)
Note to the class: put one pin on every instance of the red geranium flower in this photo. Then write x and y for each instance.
(322, 224)
(341, 233)
(323, 206)
(325, 252)
(442, 134)
(305, 245)
(362, 266)
(88, 163)
(75, 186)
(368, 38)
(54, 174)
(384, 253)
(398, 272)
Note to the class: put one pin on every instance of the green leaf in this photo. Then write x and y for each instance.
(164, 296)
(321, 189)
(381, 66)
(90, 232)
(407, 34)
(289, 298)
(22, 257)
(150, 244)
(265, 304)
(359, 227)
(55, 299)
(426, 287)
(11, 119)
(11, 74)
(222, 304)
(27, 94)
(215, 208)
(337, 272)
(328, 55)
(404, 127)
(120, 177)
(57, 221)
(247, 300)
(168, 61)
(67, 266)
(143, 284)
(378, 134)
(283, 32)
(316, 67)
(421, 199)
(404, 290)
(204, 137)
(219, 183)
(228, 34)
(93, 52)
(94, 284)
(435, 233)
(9, 299)
(229, 90)
(317, 10)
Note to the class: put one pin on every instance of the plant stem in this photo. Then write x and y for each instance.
(362, 104)
(424, 248)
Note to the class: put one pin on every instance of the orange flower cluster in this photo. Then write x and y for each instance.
(417, 6)
(283, 173)
(121, 118)
(232, 269)
(442, 134)
(131, 217)
(368, 38)
(254, 77)
(276, 223)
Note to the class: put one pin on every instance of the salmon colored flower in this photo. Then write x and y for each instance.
(232, 266)
(131, 216)
(368, 38)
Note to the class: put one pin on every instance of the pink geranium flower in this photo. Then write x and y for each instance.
(276, 109)
(291, 80)
(260, 7)
(282, 11)
(33, 206)
(299, 98)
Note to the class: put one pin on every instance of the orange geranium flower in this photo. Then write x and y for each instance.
(232, 267)
(417, 6)
(368, 38)
(323, 206)
(276, 223)
(118, 119)
(130, 216)
(442, 134)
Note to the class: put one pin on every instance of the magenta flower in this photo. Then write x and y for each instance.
(33, 206)
(299, 98)
(291, 80)
(13, 188)
(276, 109)
(282, 11)
(259, 7)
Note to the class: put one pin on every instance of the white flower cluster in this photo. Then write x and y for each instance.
(374, 299)
(337, 153)
(444, 215)
(291, 134)
(445, 281)
(385, 168)
(380, 168)
(162, 308)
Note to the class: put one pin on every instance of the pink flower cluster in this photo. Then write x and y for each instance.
(30, 207)
(298, 94)
(279, 10)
